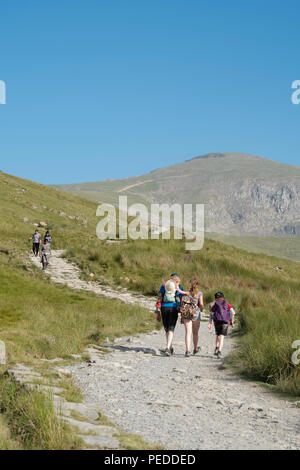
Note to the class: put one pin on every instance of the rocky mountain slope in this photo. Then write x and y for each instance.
(243, 194)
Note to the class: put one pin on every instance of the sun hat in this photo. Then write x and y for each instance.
(170, 287)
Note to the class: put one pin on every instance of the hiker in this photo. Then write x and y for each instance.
(167, 308)
(45, 253)
(36, 238)
(49, 239)
(222, 314)
(190, 310)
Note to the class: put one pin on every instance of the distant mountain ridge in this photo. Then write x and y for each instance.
(243, 194)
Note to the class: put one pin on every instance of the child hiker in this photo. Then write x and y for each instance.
(45, 253)
(222, 314)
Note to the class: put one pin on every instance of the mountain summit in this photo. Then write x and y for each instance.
(243, 194)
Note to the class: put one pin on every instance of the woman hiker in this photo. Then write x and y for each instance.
(191, 308)
(167, 308)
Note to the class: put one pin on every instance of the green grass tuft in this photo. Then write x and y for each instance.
(31, 419)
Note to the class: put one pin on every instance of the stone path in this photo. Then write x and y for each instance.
(62, 272)
(185, 403)
(181, 403)
(83, 417)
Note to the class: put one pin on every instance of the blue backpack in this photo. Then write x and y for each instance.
(221, 311)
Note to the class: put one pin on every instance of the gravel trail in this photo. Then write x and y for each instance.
(181, 403)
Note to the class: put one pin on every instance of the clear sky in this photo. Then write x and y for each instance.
(101, 89)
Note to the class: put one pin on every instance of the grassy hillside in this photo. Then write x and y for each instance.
(279, 247)
(32, 310)
(41, 320)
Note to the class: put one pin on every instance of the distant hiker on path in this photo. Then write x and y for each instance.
(45, 254)
(49, 239)
(190, 310)
(222, 314)
(168, 302)
(36, 238)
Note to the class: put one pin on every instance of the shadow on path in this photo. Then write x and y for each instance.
(151, 351)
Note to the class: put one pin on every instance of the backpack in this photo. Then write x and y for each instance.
(170, 294)
(169, 298)
(221, 311)
(189, 307)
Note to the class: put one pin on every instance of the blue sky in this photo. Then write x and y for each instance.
(108, 89)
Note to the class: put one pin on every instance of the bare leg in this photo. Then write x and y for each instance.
(195, 326)
(221, 342)
(169, 339)
(188, 334)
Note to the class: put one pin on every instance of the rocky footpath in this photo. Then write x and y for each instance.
(82, 417)
(62, 272)
(179, 402)
(185, 403)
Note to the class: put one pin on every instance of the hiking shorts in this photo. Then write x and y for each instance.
(198, 317)
(221, 328)
(169, 318)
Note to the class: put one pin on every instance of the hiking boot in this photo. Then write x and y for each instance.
(172, 350)
(219, 354)
(196, 350)
(187, 353)
(167, 352)
(216, 351)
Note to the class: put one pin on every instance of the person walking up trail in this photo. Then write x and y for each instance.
(45, 254)
(49, 239)
(167, 308)
(222, 314)
(36, 238)
(191, 308)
